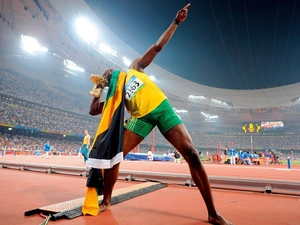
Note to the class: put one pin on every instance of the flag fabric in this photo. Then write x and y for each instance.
(107, 148)
(90, 204)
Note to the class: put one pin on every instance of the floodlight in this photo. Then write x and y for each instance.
(31, 45)
(207, 116)
(204, 114)
(221, 102)
(107, 49)
(86, 30)
(216, 100)
(72, 66)
(196, 97)
(180, 110)
(126, 61)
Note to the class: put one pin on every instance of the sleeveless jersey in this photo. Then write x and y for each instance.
(86, 140)
(142, 95)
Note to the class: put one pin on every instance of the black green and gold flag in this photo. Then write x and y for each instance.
(108, 143)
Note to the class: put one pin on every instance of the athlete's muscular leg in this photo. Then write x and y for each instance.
(179, 137)
(131, 140)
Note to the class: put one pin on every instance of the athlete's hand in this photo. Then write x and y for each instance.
(96, 91)
(98, 80)
(182, 14)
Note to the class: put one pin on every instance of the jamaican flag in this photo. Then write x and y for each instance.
(108, 142)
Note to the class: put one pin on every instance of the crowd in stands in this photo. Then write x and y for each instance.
(204, 140)
(20, 113)
(36, 91)
(29, 103)
(22, 143)
(35, 146)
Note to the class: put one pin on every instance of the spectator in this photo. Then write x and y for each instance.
(85, 145)
(177, 156)
(150, 155)
(47, 149)
(246, 158)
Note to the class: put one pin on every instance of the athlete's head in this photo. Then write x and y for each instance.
(107, 76)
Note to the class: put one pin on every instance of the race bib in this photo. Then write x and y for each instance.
(133, 85)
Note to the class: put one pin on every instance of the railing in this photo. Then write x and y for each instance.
(217, 182)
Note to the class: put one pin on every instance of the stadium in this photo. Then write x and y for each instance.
(49, 49)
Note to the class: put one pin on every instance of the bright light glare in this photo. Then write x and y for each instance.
(221, 102)
(31, 45)
(86, 30)
(216, 100)
(106, 49)
(76, 68)
(204, 114)
(72, 66)
(152, 78)
(209, 116)
(126, 61)
(181, 111)
(196, 97)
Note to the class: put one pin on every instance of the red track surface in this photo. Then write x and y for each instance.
(22, 191)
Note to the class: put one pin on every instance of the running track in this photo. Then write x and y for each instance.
(176, 205)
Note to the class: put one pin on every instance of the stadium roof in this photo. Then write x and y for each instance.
(53, 26)
(231, 44)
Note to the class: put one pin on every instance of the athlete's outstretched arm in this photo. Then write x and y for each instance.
(141, 63)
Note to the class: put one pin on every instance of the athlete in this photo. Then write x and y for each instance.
(149, 107)
(85, 145)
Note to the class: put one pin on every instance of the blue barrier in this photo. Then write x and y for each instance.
(143, 156)
(289, 163)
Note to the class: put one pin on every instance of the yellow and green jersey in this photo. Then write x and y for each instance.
(142, 95)
(86, 139)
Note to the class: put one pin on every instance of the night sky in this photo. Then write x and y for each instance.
(234, 44)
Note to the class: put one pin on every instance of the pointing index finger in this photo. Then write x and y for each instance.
(188, 5)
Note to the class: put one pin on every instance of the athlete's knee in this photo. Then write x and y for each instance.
(193, 158)
(189, 153)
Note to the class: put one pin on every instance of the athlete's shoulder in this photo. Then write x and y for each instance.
(135, 72)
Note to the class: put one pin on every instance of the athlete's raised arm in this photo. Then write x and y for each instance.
(141, 63)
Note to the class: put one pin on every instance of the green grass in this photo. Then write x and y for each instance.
(292, 162)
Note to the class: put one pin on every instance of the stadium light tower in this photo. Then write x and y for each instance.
(31, 45)
(86, 30)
